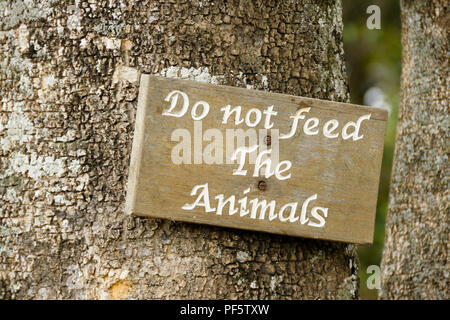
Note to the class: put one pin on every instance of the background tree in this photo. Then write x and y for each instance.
(69, 75)
(415, 264)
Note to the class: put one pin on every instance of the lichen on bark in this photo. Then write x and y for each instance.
(70, 77)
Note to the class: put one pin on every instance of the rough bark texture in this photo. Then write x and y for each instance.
(415, 263)
(68, 88)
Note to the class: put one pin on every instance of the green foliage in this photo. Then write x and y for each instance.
(373, 59)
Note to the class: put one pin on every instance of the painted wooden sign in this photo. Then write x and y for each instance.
(255, 160)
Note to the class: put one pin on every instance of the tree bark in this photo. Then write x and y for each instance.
(68, 88)
(414, 263)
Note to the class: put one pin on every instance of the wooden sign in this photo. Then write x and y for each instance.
(255, 160)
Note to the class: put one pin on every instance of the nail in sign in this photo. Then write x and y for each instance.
(255, 160)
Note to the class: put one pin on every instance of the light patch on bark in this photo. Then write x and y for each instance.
(123, 73)
(11, 195)
(75, 280)
(69, 136)
(242, 256)
(5, 234)
(177, 266)
(275, 281)
(35, 165)
(196, 74)
(74, 166)
(202, 74)
(47, 84)
(152, 19)
(316, 256)
(74, 21)
(111, 43)
(16, 63)
(349, 288)
(22, 38)
(13, 13)
(18, 130)
(45, 293)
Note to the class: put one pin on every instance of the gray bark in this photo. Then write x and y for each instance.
(68, 90)
(415, 262)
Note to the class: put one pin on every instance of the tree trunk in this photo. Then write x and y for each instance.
(68, 88)
(415, 264)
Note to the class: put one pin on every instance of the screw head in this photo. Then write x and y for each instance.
(262, 185)
(268, 140)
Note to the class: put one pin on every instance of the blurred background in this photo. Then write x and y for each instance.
(373, 58)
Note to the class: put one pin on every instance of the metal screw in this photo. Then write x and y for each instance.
(268, 140)
(262, 185)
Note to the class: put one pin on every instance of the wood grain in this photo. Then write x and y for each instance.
(343, 173)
